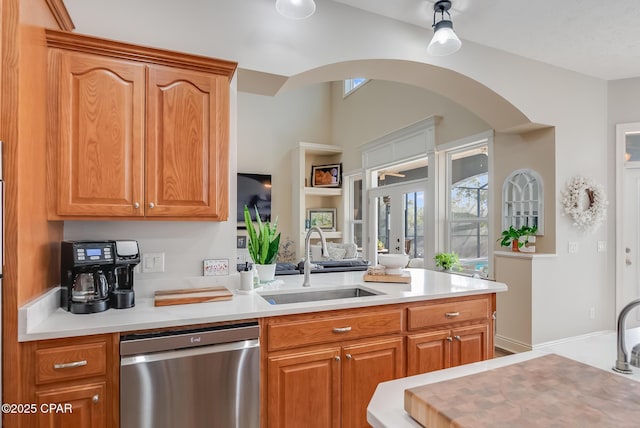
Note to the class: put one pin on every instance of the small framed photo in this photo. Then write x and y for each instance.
(216, 267)
(326, 175)
(324, 218)
(241, 241)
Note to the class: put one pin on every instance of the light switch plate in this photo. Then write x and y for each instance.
(573, 247)
(602, 246)
(152, 262)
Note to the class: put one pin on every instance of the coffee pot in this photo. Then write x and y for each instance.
(127, 256)
(86, 275)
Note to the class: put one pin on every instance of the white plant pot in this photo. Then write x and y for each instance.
(266, 273)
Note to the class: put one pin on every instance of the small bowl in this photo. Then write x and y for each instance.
(393, 263)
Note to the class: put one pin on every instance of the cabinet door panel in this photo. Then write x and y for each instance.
(469, 344)
(76, 406)
(187, 152)
(304, 390)
(427, 352)
(364, 367)
(100, 139)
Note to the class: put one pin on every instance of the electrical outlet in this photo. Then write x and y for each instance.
(573, 247)
(602, 246)
(592, 313)
(152, 262)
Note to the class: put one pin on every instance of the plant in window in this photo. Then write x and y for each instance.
(447, 261)
(512, 236)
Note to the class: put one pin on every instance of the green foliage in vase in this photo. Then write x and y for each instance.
(512, 234)
(263, 243)
(447, 261)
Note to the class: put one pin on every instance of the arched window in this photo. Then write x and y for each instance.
(522, 200)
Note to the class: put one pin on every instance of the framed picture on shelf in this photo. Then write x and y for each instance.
(324, 218)
(326, 175)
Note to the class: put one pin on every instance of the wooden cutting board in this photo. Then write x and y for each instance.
(542, 392)
(405, 278)
(191, 295)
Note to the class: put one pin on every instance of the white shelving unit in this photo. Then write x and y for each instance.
(305, 197)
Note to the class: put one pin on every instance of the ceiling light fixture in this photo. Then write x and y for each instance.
(445, 41)
(296, 9)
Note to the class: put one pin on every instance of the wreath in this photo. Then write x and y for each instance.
(586, 203)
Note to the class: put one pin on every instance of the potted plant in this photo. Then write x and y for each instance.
(447, 261)
(517, 238)
(510, 237)
(263, 245)
(527, 239)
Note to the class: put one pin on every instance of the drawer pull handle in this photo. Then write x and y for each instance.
(95, 398)
(70, 365)
(451, 314)
(342, 329)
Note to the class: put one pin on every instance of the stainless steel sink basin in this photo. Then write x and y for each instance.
(314, 296)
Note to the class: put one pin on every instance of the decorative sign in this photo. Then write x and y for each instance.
(216, 267)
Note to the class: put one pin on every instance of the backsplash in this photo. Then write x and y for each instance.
(185, 244)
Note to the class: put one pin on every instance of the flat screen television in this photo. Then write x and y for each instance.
(254, 190)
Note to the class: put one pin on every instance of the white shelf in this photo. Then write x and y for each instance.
(303, 157)
(323, 191)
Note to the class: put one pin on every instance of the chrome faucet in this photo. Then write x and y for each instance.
(622, 363)
(307, 253)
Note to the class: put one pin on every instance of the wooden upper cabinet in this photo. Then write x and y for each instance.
(100, 106)
(186, 142)
(136, 132)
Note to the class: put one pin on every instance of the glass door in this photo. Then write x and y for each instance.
(399, 216)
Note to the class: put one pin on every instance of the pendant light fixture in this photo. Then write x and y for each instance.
(445, 41)
(296, 9)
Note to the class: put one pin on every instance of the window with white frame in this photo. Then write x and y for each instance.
(522, 200)
(351, 85)
(354, 210)
(468, 203)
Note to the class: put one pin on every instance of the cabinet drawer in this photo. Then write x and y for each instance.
(330, 329)
(70, 362)
(421, 317)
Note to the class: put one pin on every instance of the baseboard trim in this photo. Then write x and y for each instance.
(511, 345)
(570, 339)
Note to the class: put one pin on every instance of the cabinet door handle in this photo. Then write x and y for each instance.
(457, 338)
(349, 356)
(449, 339)
(151, 205)
(342, 329)
(95, 398)
(70, 365)
(136, 205)
(337, 358)
(451, 314)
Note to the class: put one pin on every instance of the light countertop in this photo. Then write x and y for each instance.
(44, 319)
(386, 409)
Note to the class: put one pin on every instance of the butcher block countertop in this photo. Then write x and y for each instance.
(568, 384)
(44, 319)
(541, 392)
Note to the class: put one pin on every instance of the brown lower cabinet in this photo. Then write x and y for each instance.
(317, 369)
(73, 382)
(330, 386)
(321, 369)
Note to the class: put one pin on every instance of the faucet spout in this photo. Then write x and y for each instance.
(307, 253)
(622, 361)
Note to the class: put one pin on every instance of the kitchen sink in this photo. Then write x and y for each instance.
(314, 296)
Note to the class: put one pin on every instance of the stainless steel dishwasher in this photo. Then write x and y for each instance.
(191, 378)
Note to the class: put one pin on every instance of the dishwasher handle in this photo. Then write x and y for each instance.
(189, 339)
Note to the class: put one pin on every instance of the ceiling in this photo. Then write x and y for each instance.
(599, 38)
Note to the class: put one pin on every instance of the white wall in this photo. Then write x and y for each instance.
(380, 107)
(269, 127)
(251, 32)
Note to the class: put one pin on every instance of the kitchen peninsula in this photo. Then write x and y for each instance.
(44, 319)
(324, 353)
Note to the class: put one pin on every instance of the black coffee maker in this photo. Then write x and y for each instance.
(86, 275)
(127, 256)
